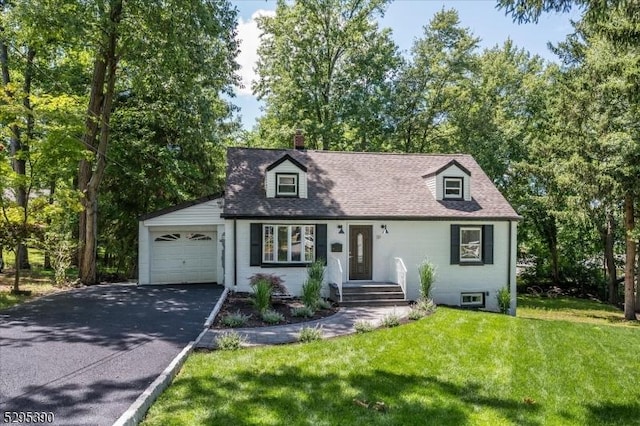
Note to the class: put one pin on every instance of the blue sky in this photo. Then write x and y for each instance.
(406, 18)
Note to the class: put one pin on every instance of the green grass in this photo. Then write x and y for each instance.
(454, 367)
(572, 309)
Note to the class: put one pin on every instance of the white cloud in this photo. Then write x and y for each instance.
(249, 36)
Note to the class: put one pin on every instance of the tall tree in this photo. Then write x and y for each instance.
(324, 66)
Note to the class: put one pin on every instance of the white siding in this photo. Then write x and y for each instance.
(453, 171)
(286, 167)
(207, 213)
(143, 254)
(413, 241)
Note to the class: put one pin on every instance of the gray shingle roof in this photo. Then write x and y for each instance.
(358, 185)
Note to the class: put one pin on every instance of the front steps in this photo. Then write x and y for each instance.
(368, 294)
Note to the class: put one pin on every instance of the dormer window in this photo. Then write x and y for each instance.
(453, 188)
(287, 185)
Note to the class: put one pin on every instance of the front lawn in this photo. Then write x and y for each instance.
(454, 367)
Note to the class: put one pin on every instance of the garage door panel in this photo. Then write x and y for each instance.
(183, 257)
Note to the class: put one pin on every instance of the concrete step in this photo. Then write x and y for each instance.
(374, 302)
(373, 295)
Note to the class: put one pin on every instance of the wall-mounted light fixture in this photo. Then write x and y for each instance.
(384, 229)
(340, 230)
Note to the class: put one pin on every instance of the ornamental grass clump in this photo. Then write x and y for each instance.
(362, 326)
(504, 300)
(313, 285)
(261, 297)
(390, 320)
(427, 272)
(237, 319)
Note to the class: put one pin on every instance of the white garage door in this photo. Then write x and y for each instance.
(183, 257)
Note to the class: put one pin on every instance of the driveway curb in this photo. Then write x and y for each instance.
(136, 411)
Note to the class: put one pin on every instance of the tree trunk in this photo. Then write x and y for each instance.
(610, 263)
(98, 116)
(629, 270)
(47, 253)
(16, 277)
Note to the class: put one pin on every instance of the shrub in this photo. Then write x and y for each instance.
(362, 326)
(390, 320)
(236, 319)
(261, 298)
(309, 334)
(275, 281)
(427, 306)
(427, 272)
(302, 311)
(272, 317)
(324, 304)
(230, 341)
(504, 300)
(313, 285)
(416, 313)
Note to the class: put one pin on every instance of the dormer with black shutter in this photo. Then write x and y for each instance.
(286, 178)
(451, 181)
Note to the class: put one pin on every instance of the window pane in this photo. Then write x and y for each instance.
(283, 243)
(286, 180)
(268, 244)
(470, 243)
(296, 243)
(360, 245)
(309, 243)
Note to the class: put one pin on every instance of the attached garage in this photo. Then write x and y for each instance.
(182, 244)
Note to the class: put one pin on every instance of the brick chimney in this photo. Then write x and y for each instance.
(298, 140)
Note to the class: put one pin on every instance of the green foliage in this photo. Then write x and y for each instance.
(504, 300)
(323, 304)
(426, 306)
(230, 341)
(310, 334)
(302, 311)
(272, 317)
(427, 273)
(324, 66)
(234, 320)
(416, 314)
(275, 281)
(362, 326)
(261, 297)
(390, 320)
(312, 287)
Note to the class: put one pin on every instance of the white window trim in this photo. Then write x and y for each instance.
(458, 180)
(478, 294)
(303, 241)
(471, 228)
(295, 184)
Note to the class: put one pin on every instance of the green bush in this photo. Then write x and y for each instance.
(362, 326)
(504, 300)
(427, 306)
(230, 341)
(262, 292)
(236, 319)
(324, 304)
(309, 334)
(416, 314)
(427, 272)
(313, 285)
(272, 317)
(390, 320)
(302, 311)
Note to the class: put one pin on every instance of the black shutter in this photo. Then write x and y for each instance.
(321, 242)
(255, 258)
(455, 244)
(487, 244)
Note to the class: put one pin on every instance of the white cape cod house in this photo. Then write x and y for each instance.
(373, 217)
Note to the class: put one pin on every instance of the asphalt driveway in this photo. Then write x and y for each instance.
(87, 354)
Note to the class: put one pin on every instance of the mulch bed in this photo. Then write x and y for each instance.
(242, 302)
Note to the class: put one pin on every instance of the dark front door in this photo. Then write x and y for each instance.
(360, 252)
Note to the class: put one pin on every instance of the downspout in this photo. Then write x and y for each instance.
(235, 253)
(513, 309)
